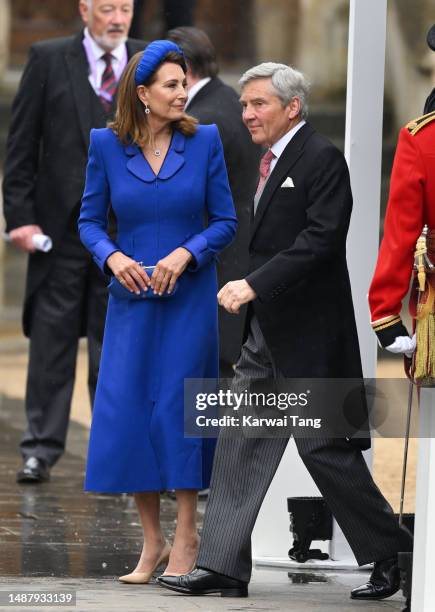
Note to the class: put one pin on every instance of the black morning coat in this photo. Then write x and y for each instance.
(297, 262)
(47, 149)
(218, 103)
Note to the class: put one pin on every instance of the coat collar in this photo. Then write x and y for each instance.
(78, 68)
(287, 160)
(174, 160)
(209, 88)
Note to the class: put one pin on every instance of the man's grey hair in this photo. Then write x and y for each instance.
(287, 82)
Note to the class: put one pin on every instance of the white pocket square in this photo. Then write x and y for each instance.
(288, 183)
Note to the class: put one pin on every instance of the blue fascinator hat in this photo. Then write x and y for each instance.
(153, 55)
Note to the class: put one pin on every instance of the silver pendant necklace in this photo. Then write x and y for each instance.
(157, 152)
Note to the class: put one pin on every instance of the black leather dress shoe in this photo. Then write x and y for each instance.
(384, 581)
(204, 582)
(33, 471)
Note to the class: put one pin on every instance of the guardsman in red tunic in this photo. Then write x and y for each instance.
(411, 206)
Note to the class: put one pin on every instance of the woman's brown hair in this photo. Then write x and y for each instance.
(130, 124)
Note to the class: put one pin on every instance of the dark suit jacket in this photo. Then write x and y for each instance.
(47, 147)
(218, 103)
(298, 263)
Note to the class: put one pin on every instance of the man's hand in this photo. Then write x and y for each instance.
(22, 237)
(234, 294)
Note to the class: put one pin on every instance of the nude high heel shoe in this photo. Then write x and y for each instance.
(145, 577)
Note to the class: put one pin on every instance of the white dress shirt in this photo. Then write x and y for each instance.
(97, 67)
(195, 88)
(279, 146)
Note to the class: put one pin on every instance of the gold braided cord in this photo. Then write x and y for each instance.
(424, 356)
(422, 124)
(424, 309)
(385, 325)
(416, 124)
(420, 252)
(384, 320)
(425, 352)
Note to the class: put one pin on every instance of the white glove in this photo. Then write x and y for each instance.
(403, 345)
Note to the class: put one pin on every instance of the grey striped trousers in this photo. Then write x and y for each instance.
(243, 470)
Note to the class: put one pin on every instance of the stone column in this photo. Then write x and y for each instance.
(410, 71)
(322, 52)
(277, 27)
(5, 26)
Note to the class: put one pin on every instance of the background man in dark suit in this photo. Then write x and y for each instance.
(301, 325)
(211, 101)
(68, 87)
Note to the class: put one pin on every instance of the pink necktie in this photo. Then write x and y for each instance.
(108, 83)
(265, 162)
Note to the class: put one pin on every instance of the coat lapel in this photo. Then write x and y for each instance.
(289, 157)
(78, 68)
(79, 72)
(174, 160)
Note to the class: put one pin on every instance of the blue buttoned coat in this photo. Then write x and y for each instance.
(150, 346)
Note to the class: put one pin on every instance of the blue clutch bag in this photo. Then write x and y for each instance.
(121, 292)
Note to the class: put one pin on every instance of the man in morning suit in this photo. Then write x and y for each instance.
(68, 87)
(211, 101)
(301, 325)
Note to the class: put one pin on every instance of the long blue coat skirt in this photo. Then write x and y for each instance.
(150, 346)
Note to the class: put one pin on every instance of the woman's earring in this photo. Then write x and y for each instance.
(147, 109)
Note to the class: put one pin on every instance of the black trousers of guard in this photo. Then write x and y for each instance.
(74, 292)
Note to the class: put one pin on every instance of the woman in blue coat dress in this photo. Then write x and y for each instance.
(161, 174)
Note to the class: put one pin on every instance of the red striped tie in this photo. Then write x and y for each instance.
(108, 83)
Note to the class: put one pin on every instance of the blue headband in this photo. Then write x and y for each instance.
(153, 55)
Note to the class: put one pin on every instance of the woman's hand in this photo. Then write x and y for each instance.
(128, 272)
(169, 269)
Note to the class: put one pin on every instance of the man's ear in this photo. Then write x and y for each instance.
(84, 11)
(294, 108)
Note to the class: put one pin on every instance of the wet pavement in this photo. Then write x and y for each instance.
(54, 537)
(55, 529)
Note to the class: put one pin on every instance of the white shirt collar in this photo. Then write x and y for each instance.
(279, 146)
(195, 88)
(98, 52)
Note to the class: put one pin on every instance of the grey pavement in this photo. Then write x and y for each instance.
(270, 591)
(54, 537)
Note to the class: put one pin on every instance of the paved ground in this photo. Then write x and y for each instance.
(270, 591)
(54, 537)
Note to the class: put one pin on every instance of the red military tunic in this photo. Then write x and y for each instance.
(411, 205)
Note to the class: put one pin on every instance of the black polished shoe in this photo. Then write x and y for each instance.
(33, 471)
(384, 581)
(204, 582)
